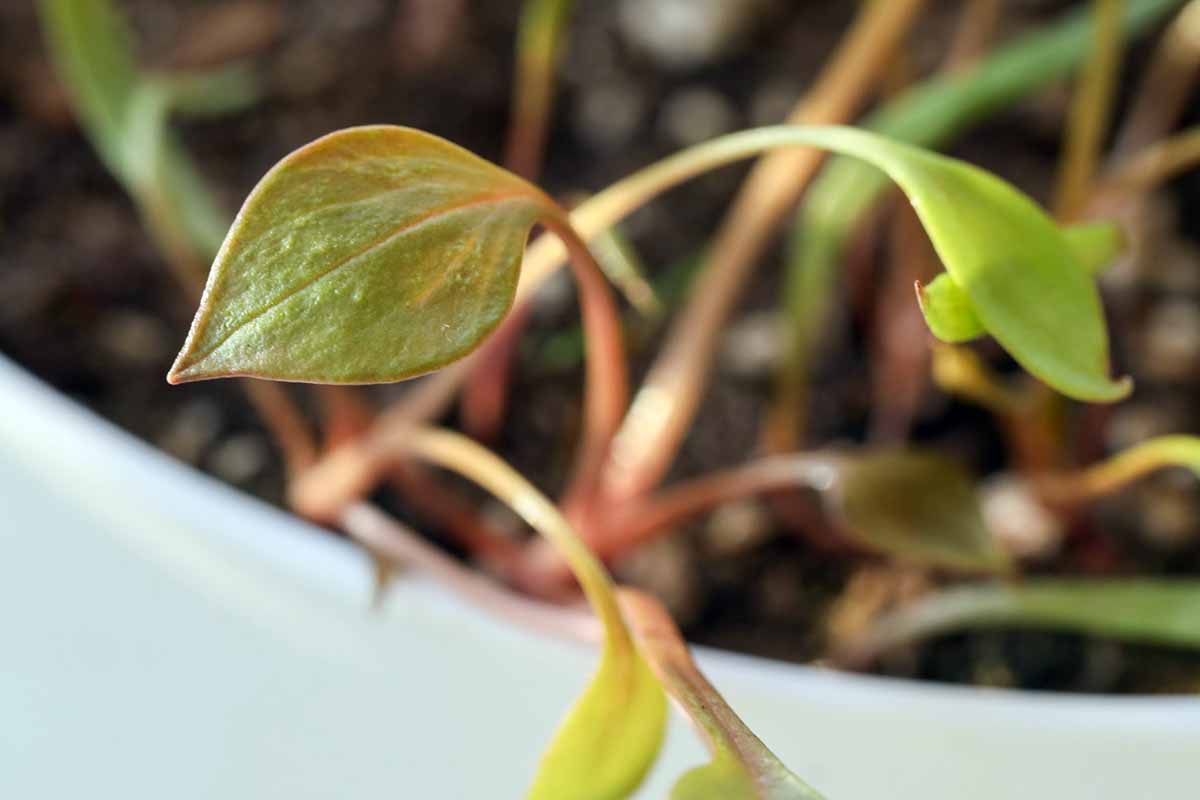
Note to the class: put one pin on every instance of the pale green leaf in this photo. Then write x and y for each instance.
(1024, 281)
(1160, 611)
(1095, 244)
(608, 742)
(948, 311)
(372, 254)
(914, 506)
(742, 768)
(93, 50)
(929, 115)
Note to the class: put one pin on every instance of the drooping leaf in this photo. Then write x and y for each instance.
(742, 767)
(1150, 610)
(608, 741)
(915, 506)
(610, 738)
(1022, 277)
(929, 115)
(947, 308)
(372, 254)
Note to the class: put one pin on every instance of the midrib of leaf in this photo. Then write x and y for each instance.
(389, 237)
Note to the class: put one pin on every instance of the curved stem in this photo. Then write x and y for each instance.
(1113, 474)
(664, 406)
(1154, 165)
(390, 539)
(606, 381)
(632, 524)
(332, 485)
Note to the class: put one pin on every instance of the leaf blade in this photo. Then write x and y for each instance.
(1161, 611)
(915, 506)
(372, 254)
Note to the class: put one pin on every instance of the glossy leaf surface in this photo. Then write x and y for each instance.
(372, 254)
(742, 768)
(1151, 610)
(914, 506)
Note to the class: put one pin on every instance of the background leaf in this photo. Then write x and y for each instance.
(1151, 610)
(916, 506)
(372, 254)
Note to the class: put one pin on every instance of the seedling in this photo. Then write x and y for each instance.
(382, 253)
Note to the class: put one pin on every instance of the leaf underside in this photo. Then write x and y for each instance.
(372, 254)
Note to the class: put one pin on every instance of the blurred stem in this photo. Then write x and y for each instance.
(1091, 107)
(670, 395)
(484, 399)
(1113, 474)
(958, 370)
(539, 46)
(1166, 84)
(389, 540)
(606, 380)
(333, 484)
(1154, 165)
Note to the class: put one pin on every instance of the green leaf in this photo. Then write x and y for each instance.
(93, 50)
(1021, 275)
(948, 311)
(372, 254)
(210, 93)
(124, 114)
(1150, 610)
(930, 114)
(742, 767)
(608, 742)
(915, 506)
(1095, 244)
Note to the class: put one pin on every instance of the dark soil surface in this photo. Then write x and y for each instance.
(87, 304)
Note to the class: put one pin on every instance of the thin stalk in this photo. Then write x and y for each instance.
(667, 401)
(1154, 165)
(1091, 107)
(1165, 86)
(606, 380)
(388, 539)
(634, 523)
(539, 46)
(333, 485)
(928, 115)
(1117, 472)
(976, 26)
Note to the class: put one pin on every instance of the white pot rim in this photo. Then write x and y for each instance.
(55, 436)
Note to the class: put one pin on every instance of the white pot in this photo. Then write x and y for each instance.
(162, 635)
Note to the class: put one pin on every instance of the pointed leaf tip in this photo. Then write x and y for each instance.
(373, 254)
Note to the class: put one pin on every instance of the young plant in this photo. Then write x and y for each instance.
(381, 253)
